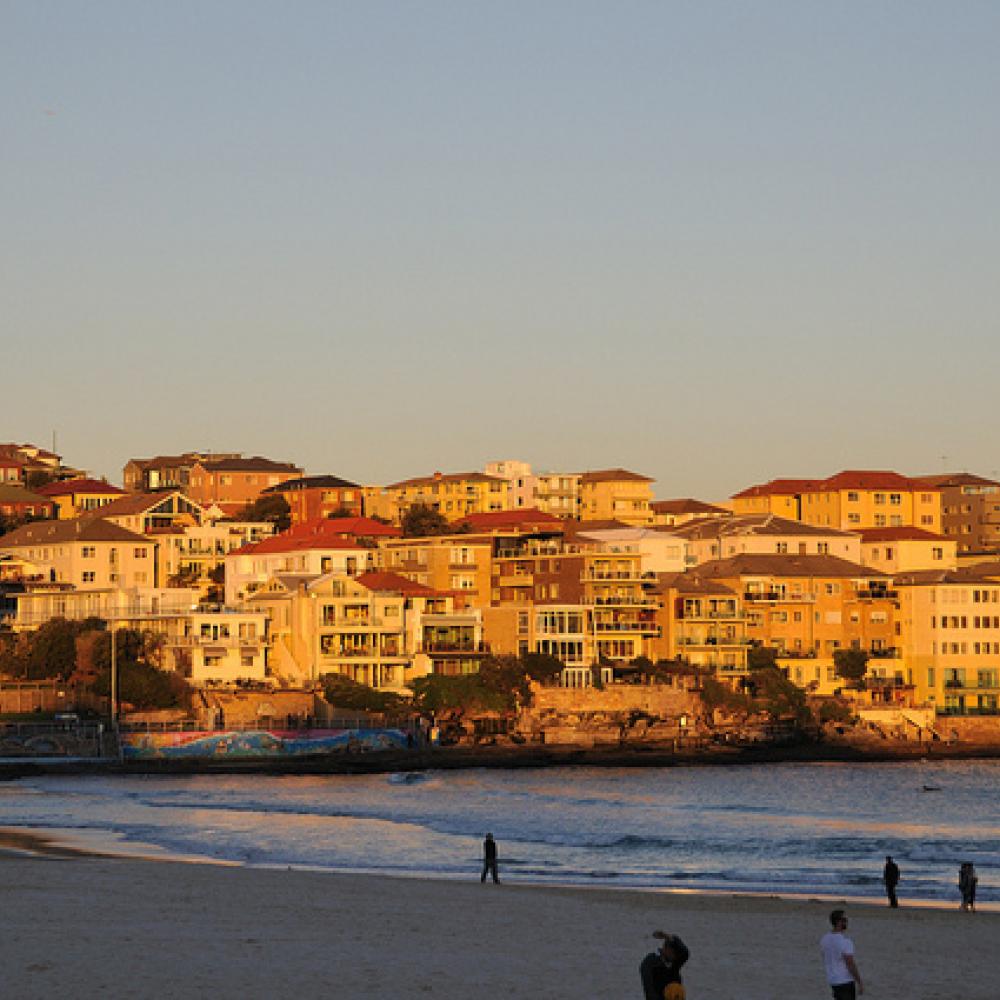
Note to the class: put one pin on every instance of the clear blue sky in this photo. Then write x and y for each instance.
(712, 242)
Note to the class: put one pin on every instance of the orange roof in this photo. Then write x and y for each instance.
(501, 519)
(449, 477)
(395, 582)
(899, 534)
(70, 487)
(778, 487)
(365, 526)
(287, 542)
(686, 505)
(613, 476)
(867, 479)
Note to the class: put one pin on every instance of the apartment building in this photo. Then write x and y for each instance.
(970, 510)
(658, 551)
(311, 497)
(807, 607)
(616, 495)
(454, 495)
(856, 499)
(232, 483)
(558, 494)
(762, 534)
(905, 550)
(674, 513)
(145, 513)
(378, 629)
(456, 563)
(74, 497)
(89, 554)
(948, 627)
(782, 497)
(521, 493)
(702, 621)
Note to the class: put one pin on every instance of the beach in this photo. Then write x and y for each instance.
(72, 923)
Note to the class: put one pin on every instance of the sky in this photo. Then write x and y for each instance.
(711, 242)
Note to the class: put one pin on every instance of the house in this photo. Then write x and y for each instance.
(147, 475)
(558, 494)
(672, 513)
(782, 497)
(521, 493)
(89, 554)
(234, 483)
(762, 534)
(856, 499)
(311, 497)
(74, 497)
(17, 501)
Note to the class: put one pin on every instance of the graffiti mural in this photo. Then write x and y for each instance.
(261, 743)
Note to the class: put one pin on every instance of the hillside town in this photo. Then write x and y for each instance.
(870, 591)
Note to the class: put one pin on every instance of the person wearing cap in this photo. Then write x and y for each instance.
(838, 959)
(490, 859)
(661, 970)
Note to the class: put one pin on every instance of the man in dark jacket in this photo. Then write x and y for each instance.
(890, 875)
(661, 968)
(490, 858)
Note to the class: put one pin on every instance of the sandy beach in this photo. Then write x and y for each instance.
(74, 924)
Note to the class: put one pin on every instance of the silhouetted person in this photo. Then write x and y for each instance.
(967, 882)
(890, 875)
(490, 858)
(661, 970)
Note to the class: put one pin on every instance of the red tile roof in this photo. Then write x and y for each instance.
(503, 519)
(686, 505)
(284, 543)
(867, 479)
(779, 487)
(393, 582)
(898, 534)
(70, 487)
(450, 477)
(613, 476)
(366, 527)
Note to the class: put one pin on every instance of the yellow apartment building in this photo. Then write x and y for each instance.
(453, 494)
(857, 499)
(616, 495)
(907, 550)
(781, 497)
(74, 497)
(949, 633)
(701, 621)
(558, 493)
(378, 629)
(459, 563)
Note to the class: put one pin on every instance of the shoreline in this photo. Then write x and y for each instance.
(454, 758)
(125, 927)
(69, 844)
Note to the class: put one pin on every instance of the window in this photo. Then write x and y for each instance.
(895, 499)
(246, 660)
(89, 576)
(781, 547)
(852, 497)
(139, 553)
(926, 519)
(88, 551)
(880, 520)
(888, 553)
(880, 498)
(853, 518)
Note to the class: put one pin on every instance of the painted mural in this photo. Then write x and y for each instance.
(260, 743)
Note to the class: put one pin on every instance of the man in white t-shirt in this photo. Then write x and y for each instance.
(838, 959)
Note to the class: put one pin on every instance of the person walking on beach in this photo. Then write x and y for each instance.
(838, 959)
(661, 970)
(967, 881)
(890, 875)
(490, 859)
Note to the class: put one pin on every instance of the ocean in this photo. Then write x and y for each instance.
(787, 829)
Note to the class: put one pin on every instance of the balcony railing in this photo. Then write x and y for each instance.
(647, 628)
(455, 646)
(869, 594)
(776, 595)
(629, 575)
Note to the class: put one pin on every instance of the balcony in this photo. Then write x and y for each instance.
(624, 601)
(646, 628)
(627, 575)
(869, 594)
(710, 615)
(517, 580)
(454, 646)
(776, 595)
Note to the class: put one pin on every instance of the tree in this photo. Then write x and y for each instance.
(780, 697)
(145, 687)
(272, 507)
(343, 692)
(851, 664)
(422, 520)
(762, 658)
(53, 650)
(542, 667)
(437, 693)
(342, 512)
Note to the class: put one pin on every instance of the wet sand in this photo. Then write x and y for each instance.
(89, 926)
